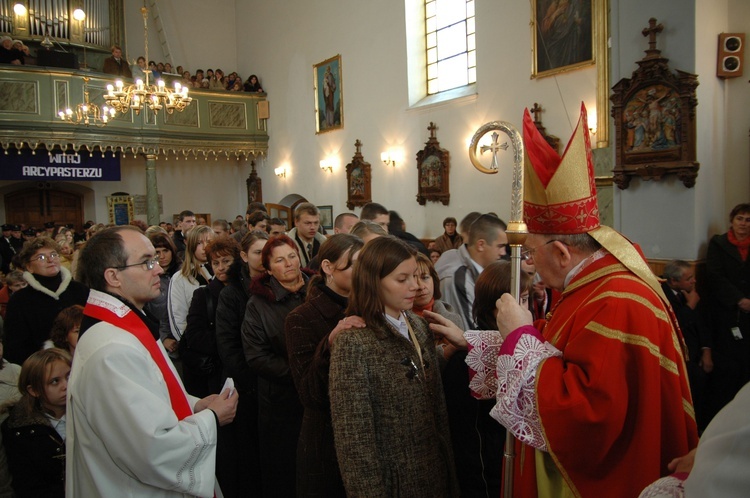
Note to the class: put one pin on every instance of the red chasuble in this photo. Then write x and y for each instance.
(616, 407)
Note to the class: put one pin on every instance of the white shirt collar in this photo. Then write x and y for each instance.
(400, 324)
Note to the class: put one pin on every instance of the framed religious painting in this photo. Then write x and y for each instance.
(121, 209)
(329, 95)
(433, 167)
(562, 36)
(358, 179)
(254, 185)
(654, 116)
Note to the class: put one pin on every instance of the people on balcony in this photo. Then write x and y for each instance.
(116, 64)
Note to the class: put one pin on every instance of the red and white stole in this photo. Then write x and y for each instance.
(134, 325)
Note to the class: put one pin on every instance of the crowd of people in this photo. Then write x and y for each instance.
(16, 52)
(211, 79)
(268, 360)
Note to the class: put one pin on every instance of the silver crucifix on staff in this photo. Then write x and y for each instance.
(516, 232)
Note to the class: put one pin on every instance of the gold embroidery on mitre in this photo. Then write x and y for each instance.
(568, 204)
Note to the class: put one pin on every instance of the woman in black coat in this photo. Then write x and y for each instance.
(31, 310)
(272, 297)
(310, 329)
(198, 349)
(230, 312)
(728, 278)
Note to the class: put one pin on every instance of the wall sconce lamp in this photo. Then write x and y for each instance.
(591, 118)
(326, 164)
(280, 172)
(19, 9)
(390, 158)
(79, 15)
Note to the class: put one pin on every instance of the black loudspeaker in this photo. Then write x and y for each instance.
(731, 59)
(55, 58)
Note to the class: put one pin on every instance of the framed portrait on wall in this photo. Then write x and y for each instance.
(562, 36)
(329, 95)
(326, 217)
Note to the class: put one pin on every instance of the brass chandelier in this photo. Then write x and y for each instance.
(142, 94)
(87, 113)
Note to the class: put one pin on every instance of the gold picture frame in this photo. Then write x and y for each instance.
(121, 209)
(562, 36)
(329, 95)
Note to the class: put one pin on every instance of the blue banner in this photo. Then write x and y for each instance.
(60, 166)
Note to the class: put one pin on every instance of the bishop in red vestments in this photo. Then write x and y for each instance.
(598, 399)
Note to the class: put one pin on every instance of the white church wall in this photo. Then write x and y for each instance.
(370, 36)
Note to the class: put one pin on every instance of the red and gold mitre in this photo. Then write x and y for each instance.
(559, 194)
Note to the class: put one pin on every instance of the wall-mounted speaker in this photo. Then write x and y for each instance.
(731, 59)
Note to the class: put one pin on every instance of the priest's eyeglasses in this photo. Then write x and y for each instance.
(147, 265)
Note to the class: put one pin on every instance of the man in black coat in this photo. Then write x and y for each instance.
(679, 287)
(7, 251)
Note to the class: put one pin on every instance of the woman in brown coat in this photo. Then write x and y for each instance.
(389, 418)
(310, 329)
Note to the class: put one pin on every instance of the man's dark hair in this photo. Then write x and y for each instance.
(184, 214)
(467, 221)
(104, 250)
(486, 227)
(277, 221)
(257, 217)
(371, 210)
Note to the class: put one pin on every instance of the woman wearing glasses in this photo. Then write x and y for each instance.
(32, 309)
(389, 418)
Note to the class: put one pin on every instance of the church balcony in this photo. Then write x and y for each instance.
(216, 124)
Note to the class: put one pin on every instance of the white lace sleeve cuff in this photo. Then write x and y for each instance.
(516, 406)
(484, 348)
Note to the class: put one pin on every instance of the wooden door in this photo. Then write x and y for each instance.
(34, 207)
(282, 212)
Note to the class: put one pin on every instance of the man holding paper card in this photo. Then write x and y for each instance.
(132, 429)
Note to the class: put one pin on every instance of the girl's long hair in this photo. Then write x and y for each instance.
(164, 241)
(376, 261)
(332, 250)
(34, 373)
(191, 266)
